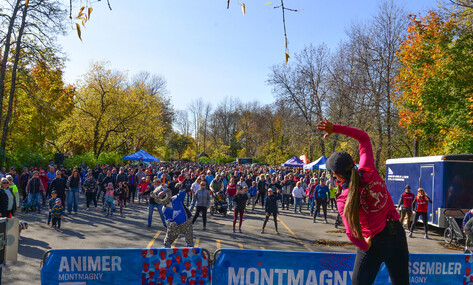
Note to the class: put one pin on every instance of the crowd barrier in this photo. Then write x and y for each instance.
(126, 266)
(235, 267)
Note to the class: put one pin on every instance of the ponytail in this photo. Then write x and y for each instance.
(351, 206)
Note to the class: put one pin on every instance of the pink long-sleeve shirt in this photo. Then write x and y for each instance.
(376, 205)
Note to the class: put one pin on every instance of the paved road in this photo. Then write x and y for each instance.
(90, 229)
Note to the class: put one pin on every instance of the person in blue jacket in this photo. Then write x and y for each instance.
(322, 196)
(176, 215)
(468, 241)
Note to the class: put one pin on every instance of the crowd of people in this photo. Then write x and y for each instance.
(175, 189)
(110, 188)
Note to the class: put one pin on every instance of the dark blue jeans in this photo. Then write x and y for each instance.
(151, 210)
(390, 247)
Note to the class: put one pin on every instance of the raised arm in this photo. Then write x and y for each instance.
(365, 149)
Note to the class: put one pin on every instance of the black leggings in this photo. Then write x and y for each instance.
(424, 220)
(275, 215)
(323, 202)
(57, 221)
(90, 196)
(203, 210)
(390, 247)
(260, 197)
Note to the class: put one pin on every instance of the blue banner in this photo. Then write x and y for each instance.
(255, 267)
(126, 266)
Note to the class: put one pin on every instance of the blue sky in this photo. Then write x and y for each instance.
(204, 50)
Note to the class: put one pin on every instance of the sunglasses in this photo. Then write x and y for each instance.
(5, 182)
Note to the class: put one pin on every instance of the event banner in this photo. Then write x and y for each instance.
(255, 267)
(126, 266)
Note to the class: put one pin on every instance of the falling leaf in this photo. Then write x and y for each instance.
(89, 11)
(269, 3)
(243, 8)
(287, 57)
(78, 31)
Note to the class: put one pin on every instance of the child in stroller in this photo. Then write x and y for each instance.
(220, 204)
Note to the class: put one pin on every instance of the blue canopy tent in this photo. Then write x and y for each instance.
(317, 164)
(293, 162)
(141, 155)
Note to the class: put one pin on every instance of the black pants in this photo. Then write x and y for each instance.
(203, 210)
(260, 197)
(323, 202)
(132, 194)
(286, 198)
(90, 196)
(390, 247)
(275, 216)
(333, 203)
(57, 221)
(424, 219)
(99, 192)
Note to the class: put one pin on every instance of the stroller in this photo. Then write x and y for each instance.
(30, 207)
(220, 204)
(453, 232)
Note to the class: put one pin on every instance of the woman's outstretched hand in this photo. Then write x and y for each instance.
(325, 126)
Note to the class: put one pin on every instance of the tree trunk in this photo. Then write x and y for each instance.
(415, 147)
(6, 52)
(13, 84)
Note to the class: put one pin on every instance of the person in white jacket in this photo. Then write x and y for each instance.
(298, 193)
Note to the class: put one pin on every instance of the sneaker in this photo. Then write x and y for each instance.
(240, 231)
(262, 231)
(233, 230)
(326, 221)
(410, 234)
(204, 228)
(148, 226)
(426, 236)
(277, 232)
(87, 209)
(467, 251)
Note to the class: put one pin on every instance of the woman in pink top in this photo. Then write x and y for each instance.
(370, 218)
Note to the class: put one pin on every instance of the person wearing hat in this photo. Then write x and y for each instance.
(271, 207)
(177, 218)
(51, 204)
(57, 212)
(368, 212)
(405, 205)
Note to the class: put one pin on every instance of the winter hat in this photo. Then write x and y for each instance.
(340, 162)
(58, 200)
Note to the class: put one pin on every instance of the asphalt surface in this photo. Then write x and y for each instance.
(91, 229)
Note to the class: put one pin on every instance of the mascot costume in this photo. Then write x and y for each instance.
(176, 215)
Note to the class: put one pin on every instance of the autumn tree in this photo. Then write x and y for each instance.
(110, 113)
(435, 84)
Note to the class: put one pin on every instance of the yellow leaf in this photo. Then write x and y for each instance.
(27, 2)
(287, 57)
(78, 31)
(243, 8)
(81, 9)
(90, 11)
(269, 3)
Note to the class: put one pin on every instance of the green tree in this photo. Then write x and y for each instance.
(435, 84)
(179, 144)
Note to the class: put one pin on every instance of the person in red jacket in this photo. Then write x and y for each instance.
(366, 207)
(405, 205)
(421, 210)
